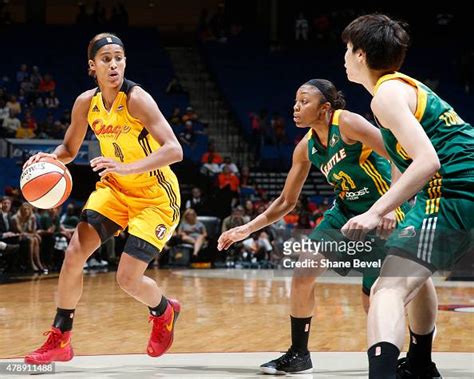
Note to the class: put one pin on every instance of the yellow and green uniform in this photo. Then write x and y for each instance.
(359, 177)
(439, 229)
(148, 203)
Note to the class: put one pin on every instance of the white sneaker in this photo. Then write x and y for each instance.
(103, 263)
(94, 263)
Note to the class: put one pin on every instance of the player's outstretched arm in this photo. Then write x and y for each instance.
(75, 134)
(281, 206)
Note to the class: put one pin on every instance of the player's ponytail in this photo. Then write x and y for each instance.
(329, 93)
(339, 102)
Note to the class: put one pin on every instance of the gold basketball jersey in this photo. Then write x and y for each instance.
(125, 138)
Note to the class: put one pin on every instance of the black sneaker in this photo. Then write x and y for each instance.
(404, 371)
(292, 362)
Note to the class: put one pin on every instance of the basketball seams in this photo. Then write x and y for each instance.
(30, 183)
(43, 186)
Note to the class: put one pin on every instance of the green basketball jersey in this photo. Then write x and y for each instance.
(359, 175)
(452, 138)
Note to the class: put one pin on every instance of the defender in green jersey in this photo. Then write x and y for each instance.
(434, 148)
(344, 146)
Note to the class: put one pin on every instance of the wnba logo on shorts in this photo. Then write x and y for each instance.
(160, 231)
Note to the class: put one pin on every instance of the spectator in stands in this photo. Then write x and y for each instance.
(249, 211)
(35, 77)
(301, 28)
(190, 114)
(51, 101)
(279, 128)
(10, 125)
(69, 221)
(30, 121)
(38, 102)
(25, 224)
(28, 90)
(318, 215)
(59, 130)
(232, 166)
(291, 219)
(268, 132)
(264, 201)
(308, 205)
(24, 132)
(9, 241)
(211, 156)
(228, 179)
(197, 202)
(192, 231)
(46, 127)
(22, 74)
(47, 84)
(229, 186)
(66, 117)
(174, 86)
(51, 128)
(22, 98)
(14, 105)
(257, 247)
(246, 181)
(304, 221)
(236, 218)
(188, 136)
(7, 229)
(211, 161)
(256, 139)
(50, 231)
(4, 111)
(175, 118)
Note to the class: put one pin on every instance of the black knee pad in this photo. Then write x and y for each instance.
(140, 249)
(104, 226)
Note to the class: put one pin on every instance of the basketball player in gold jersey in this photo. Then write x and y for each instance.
(136, 189)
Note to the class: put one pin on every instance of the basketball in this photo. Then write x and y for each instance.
(46, 184)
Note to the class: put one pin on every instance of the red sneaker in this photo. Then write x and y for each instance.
(57, 348)
(163, 329)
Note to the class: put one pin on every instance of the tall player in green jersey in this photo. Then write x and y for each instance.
(343, 146)
(434, 148)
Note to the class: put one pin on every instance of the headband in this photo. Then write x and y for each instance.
(112, 40)
(315, 83)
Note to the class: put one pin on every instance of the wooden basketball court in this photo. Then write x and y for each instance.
(224, 311)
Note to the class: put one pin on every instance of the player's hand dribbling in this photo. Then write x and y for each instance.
(37, 157)
(232, 235)
(108, 165)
